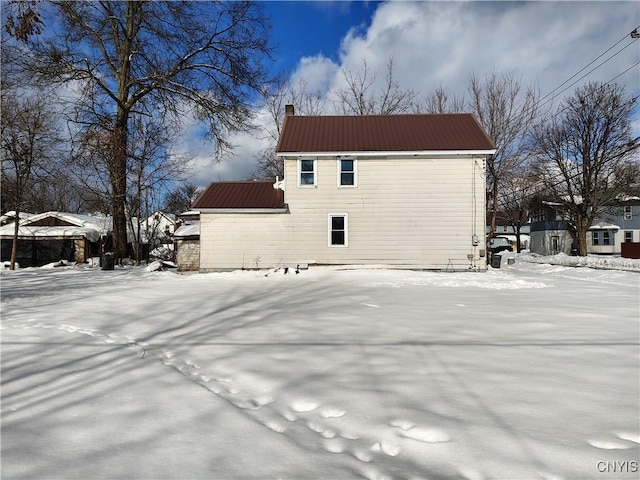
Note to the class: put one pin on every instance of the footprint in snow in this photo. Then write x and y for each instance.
(403, 424)
(334, 445)
(632, 437)
(275, 426)
(605, 445)
(304, 406)
(470, 474)
(386, 447)
(426, 435)
(332, 413)
(372, 305)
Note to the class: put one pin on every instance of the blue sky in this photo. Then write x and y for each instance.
(306, 29)
(553, 46)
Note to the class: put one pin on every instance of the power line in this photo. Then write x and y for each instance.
(589, 72)
(633, 35)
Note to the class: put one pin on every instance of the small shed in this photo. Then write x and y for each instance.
(186, 240)
(53, 236)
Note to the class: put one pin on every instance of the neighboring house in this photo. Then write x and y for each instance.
(186, 240)
(406, 191)
(156, 235)
(52, 236)
(160, 225)
(552, 231)
(619, 224)
(506, 229)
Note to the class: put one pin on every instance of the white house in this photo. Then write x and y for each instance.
(403, 191)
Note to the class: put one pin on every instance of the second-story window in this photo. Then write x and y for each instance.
(307, 172)
(347, 173)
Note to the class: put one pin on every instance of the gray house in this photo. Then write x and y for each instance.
(619, 224)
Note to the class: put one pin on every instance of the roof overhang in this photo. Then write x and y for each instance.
(604, 226)
(242, 210)
(416, 153)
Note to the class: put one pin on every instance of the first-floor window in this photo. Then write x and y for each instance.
(628, 236)
(595, 238)
(606, 238)
(338, 230)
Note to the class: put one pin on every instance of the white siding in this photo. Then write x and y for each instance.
(413, 212)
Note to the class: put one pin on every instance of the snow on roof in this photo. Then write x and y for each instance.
(11, 215)
(188, 229)
(604, 226)
(61, 224)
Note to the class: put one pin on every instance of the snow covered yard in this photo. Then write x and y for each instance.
(526, 372)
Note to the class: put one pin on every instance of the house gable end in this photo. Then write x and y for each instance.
(51, 222)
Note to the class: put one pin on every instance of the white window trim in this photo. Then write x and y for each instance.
(346, 229)
(355, 172)
(315, 172)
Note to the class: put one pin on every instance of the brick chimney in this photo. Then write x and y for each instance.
(289, 109)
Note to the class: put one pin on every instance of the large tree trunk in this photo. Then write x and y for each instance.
(14, 247)
(494, 207)
(119, 185)
(582, 228)
(121, 135)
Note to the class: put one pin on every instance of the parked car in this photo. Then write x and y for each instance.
(498, 244)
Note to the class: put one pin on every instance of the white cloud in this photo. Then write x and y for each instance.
(442, 43)
(317, 72)
(437, 44)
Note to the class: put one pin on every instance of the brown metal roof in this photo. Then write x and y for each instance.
(382, 133)
(240, 195)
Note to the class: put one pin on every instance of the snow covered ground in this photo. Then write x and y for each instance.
(529, 371)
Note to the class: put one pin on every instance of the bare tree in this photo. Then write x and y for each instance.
(150, 58)
(30, 143)
(587, 152)
(506, 110)
(151, 168)
(181, 198)
(517, 191)
(362, 97)
(281, 93)
(440, 101)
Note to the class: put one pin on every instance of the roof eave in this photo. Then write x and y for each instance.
(242, 210)
(387, 153)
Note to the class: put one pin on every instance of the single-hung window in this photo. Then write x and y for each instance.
(347, 172)
(628, 213)
(606, 238)
(307, 172)
(338, 230)
(628, 236)
(595, 238)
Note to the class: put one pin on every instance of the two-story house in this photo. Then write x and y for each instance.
(619, 223)
(403, 191)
